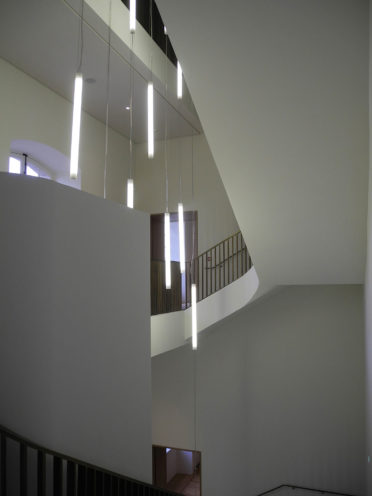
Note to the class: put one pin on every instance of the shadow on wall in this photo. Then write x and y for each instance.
(38, 159)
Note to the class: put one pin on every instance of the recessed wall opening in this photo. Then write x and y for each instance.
(177, 470)
(179, 296)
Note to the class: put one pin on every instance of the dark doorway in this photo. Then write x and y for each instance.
(177, 470)
(178, 297)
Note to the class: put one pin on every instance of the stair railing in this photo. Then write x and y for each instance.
(27, 466)
(212, 270)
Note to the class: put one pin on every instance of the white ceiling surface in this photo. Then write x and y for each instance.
(281, 89)
(41, 38)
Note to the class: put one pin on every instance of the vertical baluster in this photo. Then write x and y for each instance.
(202, 277)
(41, 473)
(215, 269)
(81, 486)
(115, 486)
(91, 486)
(241, 254)
(236, 256)
(210, 272)
(224, 264)
(228, 258)
(71, 479)
(99, 483)
(186, 291)
(57, 476)
(107, 484)
(3, 465)
(23, 469)
(219, 266)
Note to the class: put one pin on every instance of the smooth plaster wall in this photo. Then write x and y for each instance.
(75, 373)
(279, 394)
(281, 89)
(192, 158)
(368, 290)
(34, 112)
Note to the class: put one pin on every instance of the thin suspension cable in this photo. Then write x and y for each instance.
(166, 124)
(121, 57)
(192, 166)
(107, 98)
(80, 64)
(151, 18)
(195, 417)
(131, 110)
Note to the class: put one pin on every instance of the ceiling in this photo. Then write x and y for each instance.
(41, 38)
(284, 107)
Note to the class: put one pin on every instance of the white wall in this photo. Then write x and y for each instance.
(171, 464)
(281, 89)
(216, 220)
(75, 324)
(179, 462)
(279, 394)
(34, 112)
(368, 292)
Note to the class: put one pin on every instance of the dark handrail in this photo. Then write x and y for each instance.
(132, 485)
(211, 271)
(292, 486)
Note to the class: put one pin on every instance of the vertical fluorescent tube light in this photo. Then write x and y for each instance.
(167, 251)
(194, 317)
(179, 81)
(130, 193)
(76, 119)
(132, 16)
(150, 120)
(181, 235)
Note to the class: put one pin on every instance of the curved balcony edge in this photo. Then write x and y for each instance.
(173, 330)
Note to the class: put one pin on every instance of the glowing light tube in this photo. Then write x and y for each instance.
(181, 236)
(150, 120)
(179, 81)
(167, 251)
(132, 16)
(130, 193)
(194, 318)
(76, 119)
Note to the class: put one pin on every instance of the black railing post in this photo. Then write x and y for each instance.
(3, 465)
(57, 476)
(41, 473)
(23, 469)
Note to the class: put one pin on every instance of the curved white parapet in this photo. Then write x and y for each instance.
(172, 330)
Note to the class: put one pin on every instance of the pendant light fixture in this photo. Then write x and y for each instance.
(76, 114)
(179, 81)
(76, 120)
(181, 236)
(107, 101)
(181, 223)
(132, 16)
(167, 252)
(150, 120)
(130, 185)
(130, 193)
(194, 318)
(150, 104)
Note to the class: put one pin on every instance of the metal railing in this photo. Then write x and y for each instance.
(212, 270)
(27, 468)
